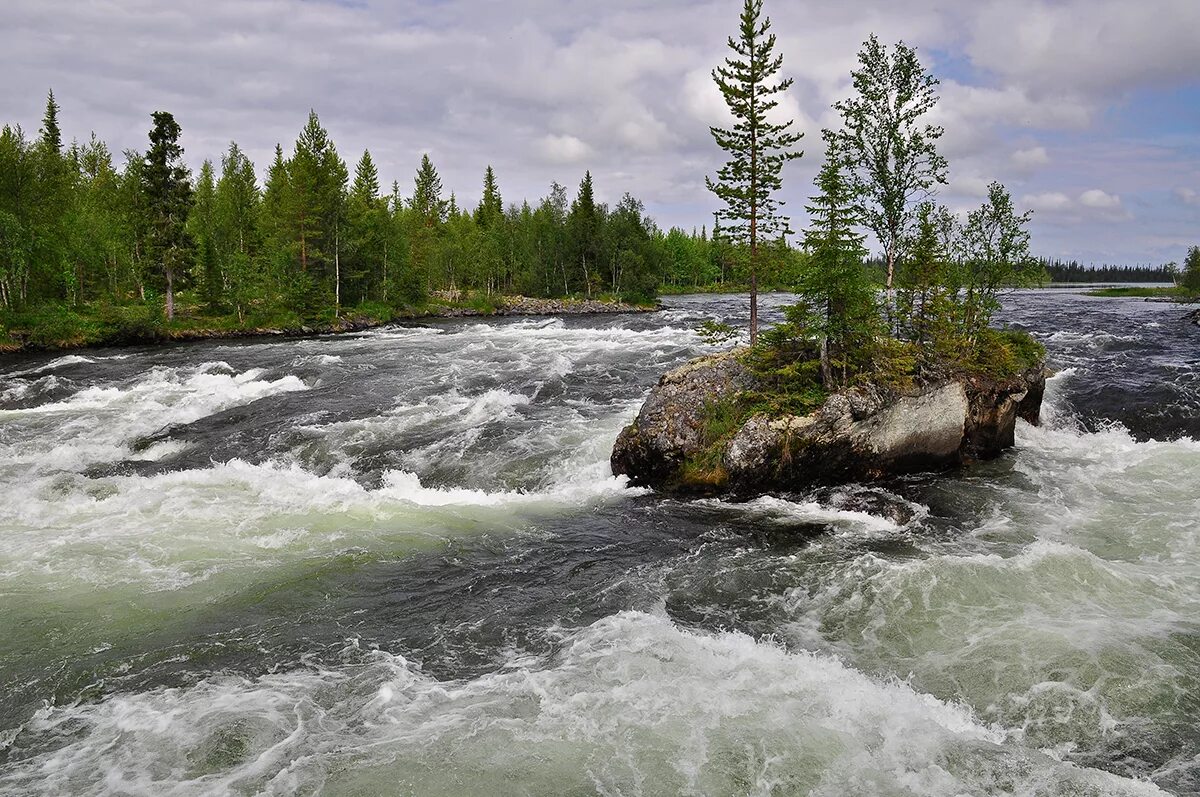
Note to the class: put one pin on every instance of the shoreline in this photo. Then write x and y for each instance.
(512, 306)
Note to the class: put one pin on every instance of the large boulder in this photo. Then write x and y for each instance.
(856, 435)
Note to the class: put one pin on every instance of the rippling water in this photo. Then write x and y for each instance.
(397, 563)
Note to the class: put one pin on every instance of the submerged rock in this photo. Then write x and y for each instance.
(860, 434)
(1193, 316)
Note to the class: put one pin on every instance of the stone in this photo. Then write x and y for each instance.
(861, 434)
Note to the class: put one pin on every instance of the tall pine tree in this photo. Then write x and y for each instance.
(167, 190)
(757, 147)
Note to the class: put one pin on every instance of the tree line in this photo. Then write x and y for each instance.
(314, 239)
(1075, 272)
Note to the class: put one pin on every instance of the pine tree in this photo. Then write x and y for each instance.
(202, 227)
(833, 282)
(51, 134)
(236, 233)
(491, 207)
(583, 231)
(168, 195)
(757, 147)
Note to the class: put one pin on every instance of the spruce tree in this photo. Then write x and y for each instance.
(757, 147)
(51, 134)
(202, 222)
(491, 207)
(167, 192)
(583, 231)
(235, 232)
(927, 293)
(367, 222)
(833, 283)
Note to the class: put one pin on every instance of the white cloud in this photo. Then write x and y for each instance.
(542, 91)
(1101, 200)
(1188, 196)
(1050, 201)
(563, 149)
(1030, 158)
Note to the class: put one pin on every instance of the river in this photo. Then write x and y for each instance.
(396, 562)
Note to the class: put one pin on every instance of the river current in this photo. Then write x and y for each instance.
(397, 563)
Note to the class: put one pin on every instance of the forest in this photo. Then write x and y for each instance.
(95, 250)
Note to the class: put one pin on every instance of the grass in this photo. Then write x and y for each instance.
(1175, 292)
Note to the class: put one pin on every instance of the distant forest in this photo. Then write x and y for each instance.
(1072, 271)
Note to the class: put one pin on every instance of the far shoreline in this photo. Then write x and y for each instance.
(505, 307)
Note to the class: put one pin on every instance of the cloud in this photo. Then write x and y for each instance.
(1030, 158)
(1095, 198)
(1051, 201)
(542, 91)
(1188, 196)
(563, 149)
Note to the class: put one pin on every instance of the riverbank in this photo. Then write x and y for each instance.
(64, 330)
(1150, 293)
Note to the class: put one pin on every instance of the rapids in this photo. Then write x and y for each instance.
(396, 562)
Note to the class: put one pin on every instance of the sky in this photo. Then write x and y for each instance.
(1087, 110)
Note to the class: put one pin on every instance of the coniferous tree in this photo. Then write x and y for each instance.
(168, 195)
(235, 228)
(202, 223)
(491, 207)
(834, 285)
(583, 230)
(367, 225)
(927, 295)
(426, 214)
(757, 147)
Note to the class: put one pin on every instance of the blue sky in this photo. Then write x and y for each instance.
(1088, 110)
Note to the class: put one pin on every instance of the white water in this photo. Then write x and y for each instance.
(292, 616)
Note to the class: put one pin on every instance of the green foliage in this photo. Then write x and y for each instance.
(1190, 281)
(837, 296)
(890, 155)
(1176, 292)
(1003, 353)
(757, 147)
(167, 196)
(129, 323)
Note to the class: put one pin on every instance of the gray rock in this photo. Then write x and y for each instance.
(857, 435)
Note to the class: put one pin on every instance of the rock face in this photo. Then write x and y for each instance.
(857, 435)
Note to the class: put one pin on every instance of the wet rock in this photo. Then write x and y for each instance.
(1193, 316)
(861, 434)
(672, 421)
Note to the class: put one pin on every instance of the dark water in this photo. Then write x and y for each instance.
(396, 563)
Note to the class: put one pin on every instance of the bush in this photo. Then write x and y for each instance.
(1003, 353)
(50, 326)
(130, 323)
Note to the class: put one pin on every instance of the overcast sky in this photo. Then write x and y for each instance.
(1089, 110)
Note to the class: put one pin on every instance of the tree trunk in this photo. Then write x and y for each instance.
(170, 294)
(337, 274)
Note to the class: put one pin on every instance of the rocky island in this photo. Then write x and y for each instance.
(699, 430)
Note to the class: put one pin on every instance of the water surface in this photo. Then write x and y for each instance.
(397, 563)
